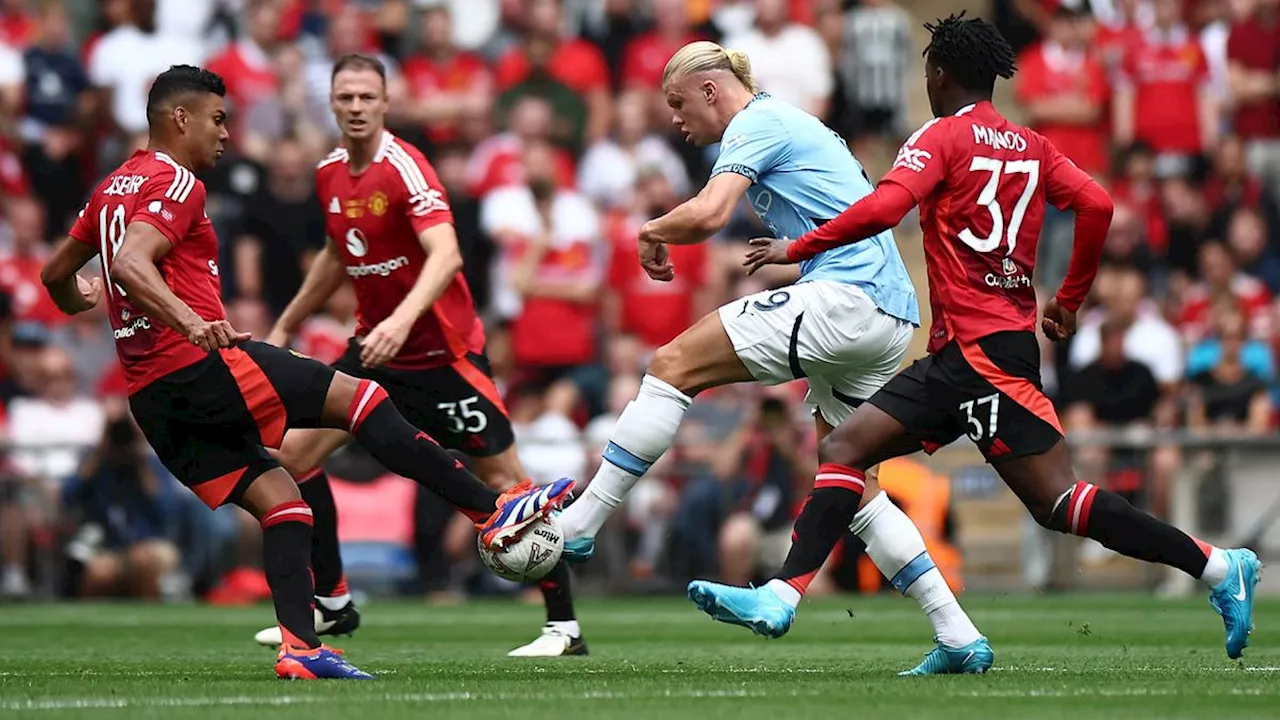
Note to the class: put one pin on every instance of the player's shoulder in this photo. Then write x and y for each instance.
(336, 158)
(158, 170)
(396, 149)
(406, 166)
(764, 112)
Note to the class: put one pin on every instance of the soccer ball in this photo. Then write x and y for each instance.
(529, 557)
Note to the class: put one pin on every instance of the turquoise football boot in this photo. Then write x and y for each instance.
(972, 659)
(1233, 598)
(759, 609)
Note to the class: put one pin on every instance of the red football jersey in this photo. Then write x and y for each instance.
(982, 183)
(152, 188)
(374, 219)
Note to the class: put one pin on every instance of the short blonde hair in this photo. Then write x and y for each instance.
(704, 56)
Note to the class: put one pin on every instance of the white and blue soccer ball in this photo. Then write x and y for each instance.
(529, 557)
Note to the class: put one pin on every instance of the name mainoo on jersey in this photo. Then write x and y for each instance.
(1007, 140)
(381, 269)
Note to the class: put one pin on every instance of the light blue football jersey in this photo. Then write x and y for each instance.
(802, 175)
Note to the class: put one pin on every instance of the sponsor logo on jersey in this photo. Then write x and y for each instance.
(1008, 282)
(428, 201)
(1006, 140)
(335, 207)
(378, 204)
(357, 244)
(912, 158)
(1009, 267)
(381, 269)
(157, 208)
(139, 324)
(125, 185)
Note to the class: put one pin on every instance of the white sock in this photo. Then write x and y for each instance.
(568, 627)
(1215, 570)
(644, 432)
(334, 603)
(897, 549)
(785, 592)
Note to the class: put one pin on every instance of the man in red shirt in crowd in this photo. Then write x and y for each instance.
(20, 268)
(646, 55)
(1162, 90)
(1063, 90)
(982, 183)
(246, 64)
(446, 85)
(576, 63)
(208, 399)
(390, 230)
(1253, 70)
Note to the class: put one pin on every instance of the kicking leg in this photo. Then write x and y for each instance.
(561, 635)
(1047, 486)
(702, 357)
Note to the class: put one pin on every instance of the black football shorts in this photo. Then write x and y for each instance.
(989, 390)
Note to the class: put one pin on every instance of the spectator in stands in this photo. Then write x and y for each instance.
(87, 337)
(1148, 339)
(22, 261)
(1127, 244)
(788, 60)
(1220, 281)
(291, 111)
(349, 30)
(1162, 94)
(1232, 186)
(119, 499)
(1255, 355)
(11, 76)
(610, 168)
(499, 160)
(1188, 220)
(875, 56)
(445, 84)
(249, 69)
(283, 229)
(123, 63)
(1253, 55)
(635, 304)
(646, 55)
(1137, 187)
(552, 267)
(1247, 237)
(575, 63)
(59, 107)
(1230, 397)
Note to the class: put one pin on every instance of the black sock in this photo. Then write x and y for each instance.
(556, 593)
(823, 520)
(286, 546)
(326, 555)
(1089, 511)
(405, 450)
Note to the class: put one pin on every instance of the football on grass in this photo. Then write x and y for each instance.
(529, 557)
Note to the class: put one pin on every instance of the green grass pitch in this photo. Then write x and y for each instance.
(1082, 656)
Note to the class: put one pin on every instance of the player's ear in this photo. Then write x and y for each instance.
(180, 116)
(709, 91)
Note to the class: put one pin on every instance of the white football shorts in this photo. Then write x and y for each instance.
(828, 332)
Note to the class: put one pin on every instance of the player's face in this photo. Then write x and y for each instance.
(693, 111)
(359, 102)
(206, 129)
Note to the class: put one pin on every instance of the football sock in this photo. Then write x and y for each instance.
(1089, 511)
(405, 450)
(556, 594)
(895, 546)
(646, 428)
(326, 557)
(286, 546)
(826, 515)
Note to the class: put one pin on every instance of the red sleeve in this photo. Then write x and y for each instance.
(593, 75)
(631, 61)
(171, 202)
(510, 69)
(871, 215)
(1093, 211)
(1236, 44)
(82, 229)
(426, 204)
(921, 164)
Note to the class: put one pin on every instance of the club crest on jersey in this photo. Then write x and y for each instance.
(378, 203)
(335, 208)
(357, 244)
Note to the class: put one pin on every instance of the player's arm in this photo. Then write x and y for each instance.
(70, 292)
(444, 261)
(322, 280)
(702, 215)
(1067, 186)
(134, 269)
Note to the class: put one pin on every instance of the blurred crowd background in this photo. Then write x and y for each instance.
(546, 124)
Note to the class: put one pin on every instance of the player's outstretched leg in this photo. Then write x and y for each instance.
(286, 520)
(1047, 486)
(701, 357)
(364, 410)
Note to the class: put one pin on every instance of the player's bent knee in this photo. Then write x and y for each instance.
(840, 449)
(269, 489)
(668, 364)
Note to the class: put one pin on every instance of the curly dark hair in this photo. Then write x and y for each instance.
(970, 50)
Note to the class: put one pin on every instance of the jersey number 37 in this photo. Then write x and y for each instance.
(988, 197)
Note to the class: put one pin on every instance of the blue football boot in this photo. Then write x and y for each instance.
(1233, 598)
(972, 659)
(759, 609)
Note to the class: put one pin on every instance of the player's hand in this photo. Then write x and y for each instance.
(384, 341)
(90, 291)
(1059, 323)
(766, 251)
(655, 258)
(217, 334)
